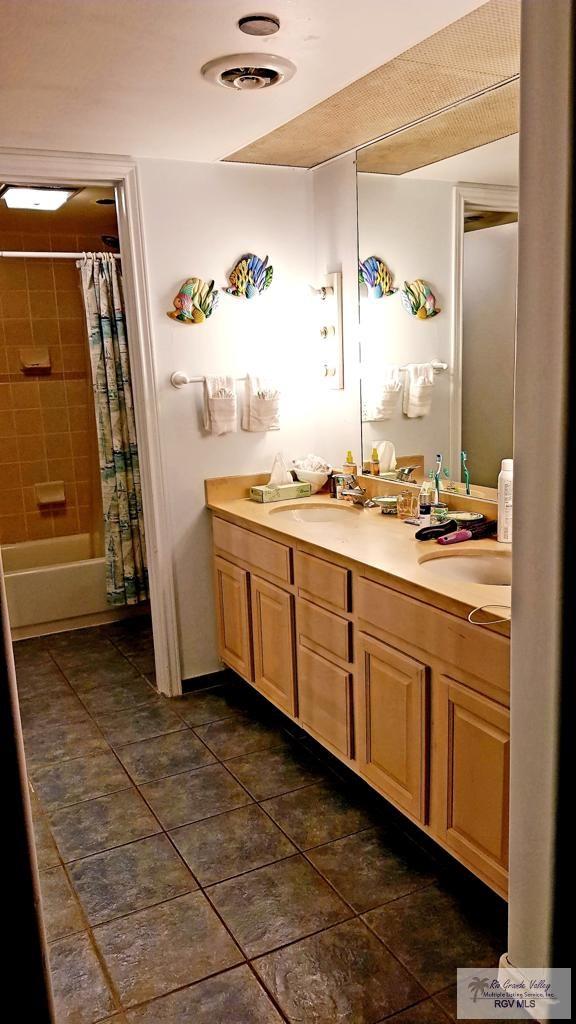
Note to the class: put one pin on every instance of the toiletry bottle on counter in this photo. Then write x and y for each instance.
(375, 462)
(350, 466)
(505, 501)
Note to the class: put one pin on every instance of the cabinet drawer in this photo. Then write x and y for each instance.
(453, 641)
(324, 631)
(325, 701)
(321, 580)
(260, 552)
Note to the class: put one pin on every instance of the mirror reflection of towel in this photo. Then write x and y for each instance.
(418, 387)
(383, 396)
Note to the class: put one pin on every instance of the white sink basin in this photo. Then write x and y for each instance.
(492, 568)
(317, 513)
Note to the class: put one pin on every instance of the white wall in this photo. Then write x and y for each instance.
(489, 282)
(408, 224)
(198, 219)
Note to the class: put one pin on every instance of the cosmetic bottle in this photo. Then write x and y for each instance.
(505, 480)
(375, 462)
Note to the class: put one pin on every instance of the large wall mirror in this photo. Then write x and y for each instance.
(437, 295)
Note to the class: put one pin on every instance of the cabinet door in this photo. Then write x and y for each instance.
(471, 739)
(325, 701)
(392, 724)
(233, 617)
(273, 634)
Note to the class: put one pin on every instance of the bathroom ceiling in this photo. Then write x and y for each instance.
(441, 96)
(123, 76)
(81, 211)
(497, 162)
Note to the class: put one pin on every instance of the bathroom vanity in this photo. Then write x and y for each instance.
(333, 615)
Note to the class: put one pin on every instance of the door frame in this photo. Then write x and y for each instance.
(38, 166)
(487, 197)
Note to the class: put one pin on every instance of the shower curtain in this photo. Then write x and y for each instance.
(126, 572)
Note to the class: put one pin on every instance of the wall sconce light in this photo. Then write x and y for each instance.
(329, 294)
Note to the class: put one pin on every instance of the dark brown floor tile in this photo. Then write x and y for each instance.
(81, 995)
(373, 867)
(60, 908)
(102, 675)
(101, 824)
(85, 778)
(130, 878)
(273, 772)
(40, 680)
(212, 704)
(276, 904)
(143, 662)
(318, 814)
(239, 735)
(46, 850)
(51, 746)
(448, 1000)
(169, 946)
(118, 696)
(343, 974)
(423, 1013)
(234, 997)
(433, 933)
(160, 756)
(140, 723)
(193, 795)
(61, 711)
(230, 843)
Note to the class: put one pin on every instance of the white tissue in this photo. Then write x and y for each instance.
(280, 473)
(312, 464)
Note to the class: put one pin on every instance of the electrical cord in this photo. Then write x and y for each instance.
(490, 622)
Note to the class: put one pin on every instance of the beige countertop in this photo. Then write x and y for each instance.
(383, 544)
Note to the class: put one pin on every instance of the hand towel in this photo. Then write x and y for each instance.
(418, 387)
(383, 396)
(220, 414)
(261, 405)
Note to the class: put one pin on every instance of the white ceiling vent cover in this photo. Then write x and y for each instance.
(248, 71)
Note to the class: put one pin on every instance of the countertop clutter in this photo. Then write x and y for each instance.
(381, 543)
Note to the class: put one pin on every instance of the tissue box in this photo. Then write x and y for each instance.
(281, 493)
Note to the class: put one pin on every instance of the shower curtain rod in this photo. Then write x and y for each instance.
(16, 254)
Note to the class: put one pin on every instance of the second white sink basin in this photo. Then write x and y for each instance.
(492, 568)
(317, 513)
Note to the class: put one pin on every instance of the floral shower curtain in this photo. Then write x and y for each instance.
(126, 572)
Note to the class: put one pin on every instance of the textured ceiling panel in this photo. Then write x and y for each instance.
(470, 55)
(473, 123)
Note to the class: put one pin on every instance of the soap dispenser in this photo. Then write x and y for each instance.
(350, 466)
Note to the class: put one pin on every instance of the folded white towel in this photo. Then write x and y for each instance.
(220, 412)
(418, 387)
(261, 405)
(383, 396)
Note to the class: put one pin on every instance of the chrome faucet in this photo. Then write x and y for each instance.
(353, 490)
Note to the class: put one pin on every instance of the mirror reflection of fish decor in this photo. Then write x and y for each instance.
(374, 273)
(195, 302)
(418, 299)
(250, 277)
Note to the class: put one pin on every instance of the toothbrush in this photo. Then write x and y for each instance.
(464, 456)
(437, 479)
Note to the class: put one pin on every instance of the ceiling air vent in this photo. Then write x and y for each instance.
(248, 71)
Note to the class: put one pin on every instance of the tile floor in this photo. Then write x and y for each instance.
(203, 861)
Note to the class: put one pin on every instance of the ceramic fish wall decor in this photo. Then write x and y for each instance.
(250, 277)
(374, 273)
(418, 299)
(195, 302)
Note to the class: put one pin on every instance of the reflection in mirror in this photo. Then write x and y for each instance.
(437, 277)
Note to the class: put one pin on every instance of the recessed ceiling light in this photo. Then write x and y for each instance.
(259, 25)
(35, 197)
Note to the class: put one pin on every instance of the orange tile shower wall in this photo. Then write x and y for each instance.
(47, 426)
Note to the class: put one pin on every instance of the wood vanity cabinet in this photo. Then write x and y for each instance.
(273, 640)
(392, 724)
(470, 769)
(411, 697)
(233, 617)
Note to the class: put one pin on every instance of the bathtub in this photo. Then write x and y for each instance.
(55, 584)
